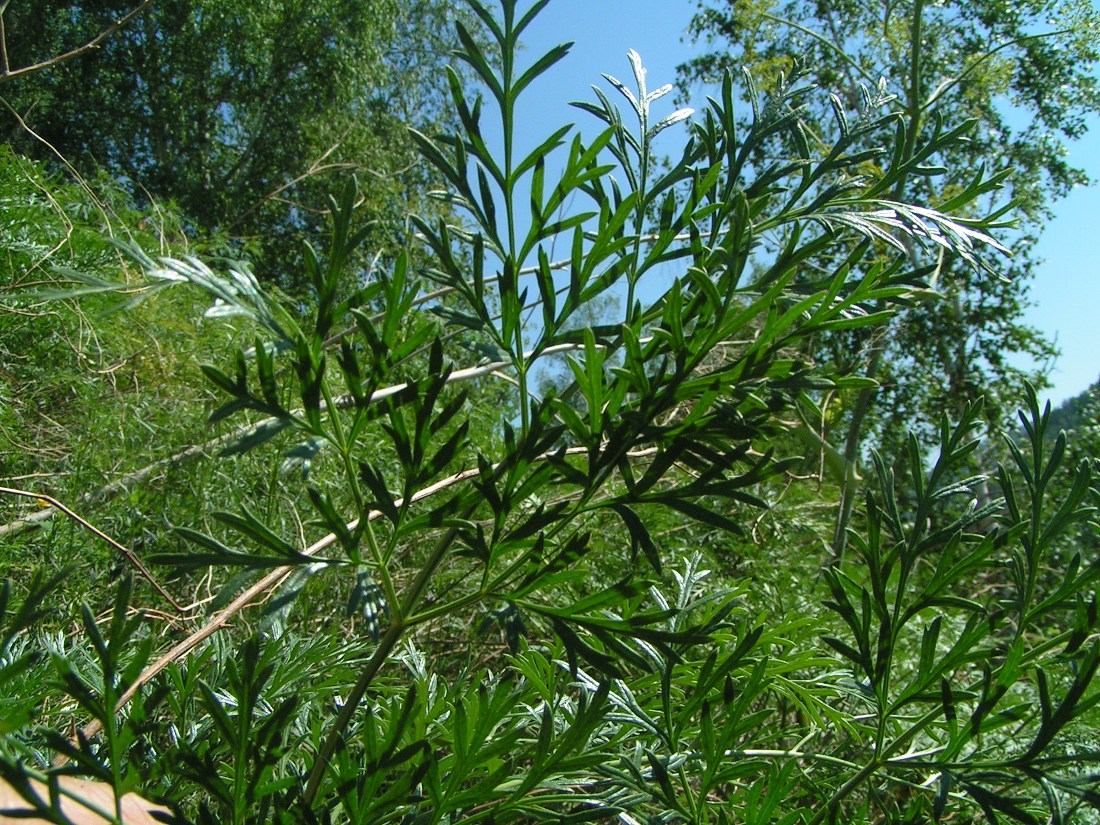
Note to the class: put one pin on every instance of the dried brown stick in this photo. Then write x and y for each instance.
(138, 476)
(130, 479)
(259, 588)
(125, 482)
(318, 167)
(121, 548)
(121, 484)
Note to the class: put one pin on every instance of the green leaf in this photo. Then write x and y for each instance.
(639, 535)
(540, 67)
(252, 528)
(256, 436)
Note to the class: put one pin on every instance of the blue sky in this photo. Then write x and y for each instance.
(1066, 290)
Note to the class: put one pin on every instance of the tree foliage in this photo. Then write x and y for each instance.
(241, 113)
(1023, 75)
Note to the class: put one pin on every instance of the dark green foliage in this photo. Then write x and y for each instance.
(975, 656)
(240, 113)
(1077, 414)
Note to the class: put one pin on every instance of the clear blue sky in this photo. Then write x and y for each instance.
(1066, 291)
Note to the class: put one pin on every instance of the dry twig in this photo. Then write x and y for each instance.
(121, 548)
(259, 590)
(8, 73)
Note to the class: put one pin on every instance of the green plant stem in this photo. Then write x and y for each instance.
(693, 804)
(849, 488)
(385, 647)
(339, 440)
(517, 564)
(511, 264)
(824, 41)
(866, 398)
(240, 762)
(882, 757)
(639, 215)
(1033, 541)
(791, 754)
(110, 729)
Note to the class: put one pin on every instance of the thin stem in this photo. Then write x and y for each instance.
(511, 264)
(91, 528)
(914, 107)
(5, 66)
(791, 754)
(375, 549)
(246, 599)
(884, 756)
(351, 704)
(385, 646)
(639, 215)
(830, 45)
(975, 65)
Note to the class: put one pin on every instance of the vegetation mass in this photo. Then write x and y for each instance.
(364, 463)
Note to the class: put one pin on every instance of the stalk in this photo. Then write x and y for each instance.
(866, 398)
(381, 654)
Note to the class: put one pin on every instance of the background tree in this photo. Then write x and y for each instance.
(1080, 412)
(1024, 74)
(239, 112)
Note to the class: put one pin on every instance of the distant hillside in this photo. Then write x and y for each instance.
(1074, 412)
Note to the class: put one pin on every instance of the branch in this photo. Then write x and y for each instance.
(951, 82)
(127, 481)
(83, 184)
(826, 42)
(120, 484)
(121, 548)
(318, 167)
(130, 479)
(7, 73)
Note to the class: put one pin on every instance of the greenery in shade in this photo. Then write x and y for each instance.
(427, 591)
